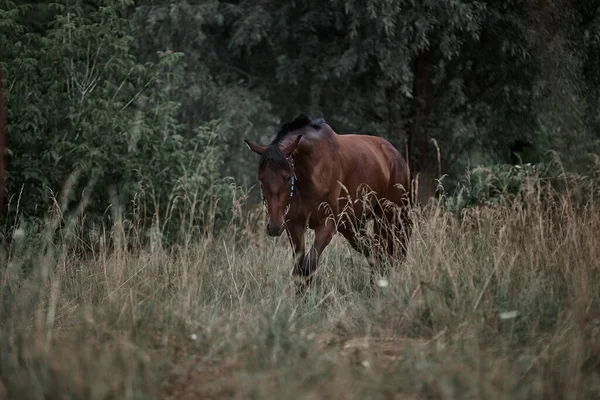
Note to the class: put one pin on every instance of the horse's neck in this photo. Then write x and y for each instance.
(310, 177)
(303, 176)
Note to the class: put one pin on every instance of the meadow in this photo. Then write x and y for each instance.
(149, 275)
(501, 302)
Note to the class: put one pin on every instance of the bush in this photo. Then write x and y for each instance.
(90, 127)
(490, 186)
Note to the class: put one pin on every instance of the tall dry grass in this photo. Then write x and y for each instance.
(502, 303)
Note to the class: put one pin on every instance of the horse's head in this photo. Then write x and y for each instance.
(277, 178)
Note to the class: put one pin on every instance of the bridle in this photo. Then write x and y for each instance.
(290, 160)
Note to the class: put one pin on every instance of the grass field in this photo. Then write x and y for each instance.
(501, 304)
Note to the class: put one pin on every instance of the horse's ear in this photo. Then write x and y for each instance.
(289, 149)
(255, 148)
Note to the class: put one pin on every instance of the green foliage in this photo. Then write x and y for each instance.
(86, 94)
(497, 185)
(80, 104)
(482, 78)
(359, 64)
(209, 87)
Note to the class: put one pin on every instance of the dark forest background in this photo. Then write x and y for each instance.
(124, 100)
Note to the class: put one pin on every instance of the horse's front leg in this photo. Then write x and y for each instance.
(296, 230)
(323, 235)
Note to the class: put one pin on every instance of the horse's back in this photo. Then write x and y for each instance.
(374, 157)
(357, 161)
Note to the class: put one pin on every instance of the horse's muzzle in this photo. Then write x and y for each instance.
(274, 230)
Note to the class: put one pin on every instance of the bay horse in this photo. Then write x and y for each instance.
(310, 176)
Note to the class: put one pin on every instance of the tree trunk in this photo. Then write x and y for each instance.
(394, 116)
(2, 144)
(422, 164)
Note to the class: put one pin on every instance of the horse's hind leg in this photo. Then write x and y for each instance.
(404, 227)
(354, 238)
(392, 231)
(383, 243)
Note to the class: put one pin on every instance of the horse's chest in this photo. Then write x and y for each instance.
(317, 202)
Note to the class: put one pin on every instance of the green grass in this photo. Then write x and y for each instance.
(217, 318)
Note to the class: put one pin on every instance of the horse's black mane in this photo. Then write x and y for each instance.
(272, 154)
(299, 122)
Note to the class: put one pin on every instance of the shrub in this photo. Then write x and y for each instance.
(90, 127)
(489, 186)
